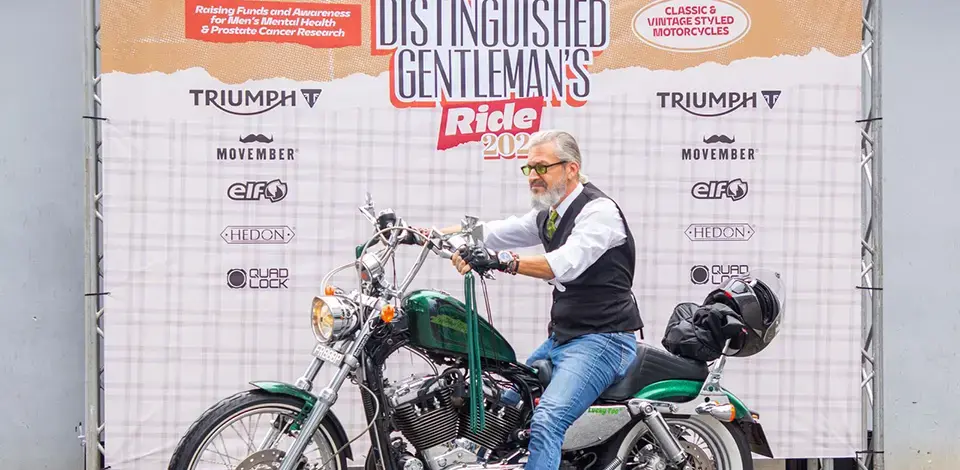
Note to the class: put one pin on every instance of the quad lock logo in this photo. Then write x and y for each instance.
(715, 104)
(258, 278)
(252, 102)
(273, 191)
(717, 274)
(734, 190)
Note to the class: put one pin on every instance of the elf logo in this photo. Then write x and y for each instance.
(734, 190)
(273, 191)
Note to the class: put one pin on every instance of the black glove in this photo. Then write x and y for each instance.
(482, 260)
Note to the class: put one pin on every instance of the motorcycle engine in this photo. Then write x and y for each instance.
(432, 413)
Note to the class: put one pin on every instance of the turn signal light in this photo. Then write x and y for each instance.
(387, 312)
(329, 290)
(724, 412)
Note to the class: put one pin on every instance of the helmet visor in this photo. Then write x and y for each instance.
(774, 281)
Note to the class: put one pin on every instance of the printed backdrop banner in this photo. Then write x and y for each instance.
(242, 136)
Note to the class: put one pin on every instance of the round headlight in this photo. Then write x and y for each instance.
(331, 317)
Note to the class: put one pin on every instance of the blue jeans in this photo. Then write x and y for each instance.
(583, 368)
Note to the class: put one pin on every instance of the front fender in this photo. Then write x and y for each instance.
(336, 427)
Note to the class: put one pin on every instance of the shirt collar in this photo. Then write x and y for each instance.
(568, 200)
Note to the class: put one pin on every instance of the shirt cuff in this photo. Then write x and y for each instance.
(559, 264)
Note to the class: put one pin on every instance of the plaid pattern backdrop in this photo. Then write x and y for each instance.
(178, 338)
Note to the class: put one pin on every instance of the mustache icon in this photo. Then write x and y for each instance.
(719, 138)
(256, 138)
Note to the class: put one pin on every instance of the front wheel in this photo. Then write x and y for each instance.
(253, 429)
(709, 444)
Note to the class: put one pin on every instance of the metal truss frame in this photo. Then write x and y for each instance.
(871, 262)
(870, 458)
(92, 437)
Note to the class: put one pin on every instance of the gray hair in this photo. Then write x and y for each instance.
(564, 146)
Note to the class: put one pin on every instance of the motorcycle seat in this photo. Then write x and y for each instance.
(651, 365)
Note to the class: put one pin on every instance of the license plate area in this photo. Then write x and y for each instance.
(326, 353)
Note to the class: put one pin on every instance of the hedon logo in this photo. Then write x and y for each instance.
(735, 190)
(716, 274)
(252, 102)
(257, 235)
(721, 103)
(719, 232)
(258, 278)
(273, 191)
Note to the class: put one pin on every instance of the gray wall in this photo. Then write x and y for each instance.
(41, 242)
(921, 226)
(41, 237)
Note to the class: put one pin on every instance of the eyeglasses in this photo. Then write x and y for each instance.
(540, 169)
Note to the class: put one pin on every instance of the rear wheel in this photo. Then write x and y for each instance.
(709, 444)
(252, 429)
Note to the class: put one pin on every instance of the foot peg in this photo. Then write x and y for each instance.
(674, 454)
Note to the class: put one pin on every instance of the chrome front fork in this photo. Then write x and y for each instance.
(327, 397)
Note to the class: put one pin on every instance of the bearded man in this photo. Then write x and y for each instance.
(589, 259)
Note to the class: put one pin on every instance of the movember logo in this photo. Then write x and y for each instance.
(250, 138)
(719, 138)
(719, 148)
(252, 151)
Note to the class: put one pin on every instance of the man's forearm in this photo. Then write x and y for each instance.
(535, 266)
(450, 229)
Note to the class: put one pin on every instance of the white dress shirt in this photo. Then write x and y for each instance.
(598, 228)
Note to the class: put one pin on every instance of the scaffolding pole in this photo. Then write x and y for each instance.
(871, 265)
(93, 247)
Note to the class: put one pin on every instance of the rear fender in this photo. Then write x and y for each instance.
(686, 391)
(280, 388)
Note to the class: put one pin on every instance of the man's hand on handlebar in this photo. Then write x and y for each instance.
(480, 259)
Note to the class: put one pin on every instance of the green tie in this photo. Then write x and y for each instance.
(551, 223)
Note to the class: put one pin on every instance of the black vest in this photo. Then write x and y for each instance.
(600, 299)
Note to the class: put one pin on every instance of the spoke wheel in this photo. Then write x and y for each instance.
(252, 431)
(709, 444)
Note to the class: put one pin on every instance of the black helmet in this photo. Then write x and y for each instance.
(758, 297)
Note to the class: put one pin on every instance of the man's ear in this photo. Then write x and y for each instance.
(574, 170)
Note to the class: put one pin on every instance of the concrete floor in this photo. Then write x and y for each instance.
(768, 464)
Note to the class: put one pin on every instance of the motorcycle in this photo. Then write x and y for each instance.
(655, 418)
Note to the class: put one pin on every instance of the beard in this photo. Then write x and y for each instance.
(548, 198)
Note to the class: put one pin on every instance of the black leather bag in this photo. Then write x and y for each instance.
(700, 332)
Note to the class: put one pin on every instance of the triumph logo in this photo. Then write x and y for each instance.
(273, 191)
(716, 274)
(719, 232)
(258, 278)
(735, 190)
(252, 102)
(253, 235)
(715, 104)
